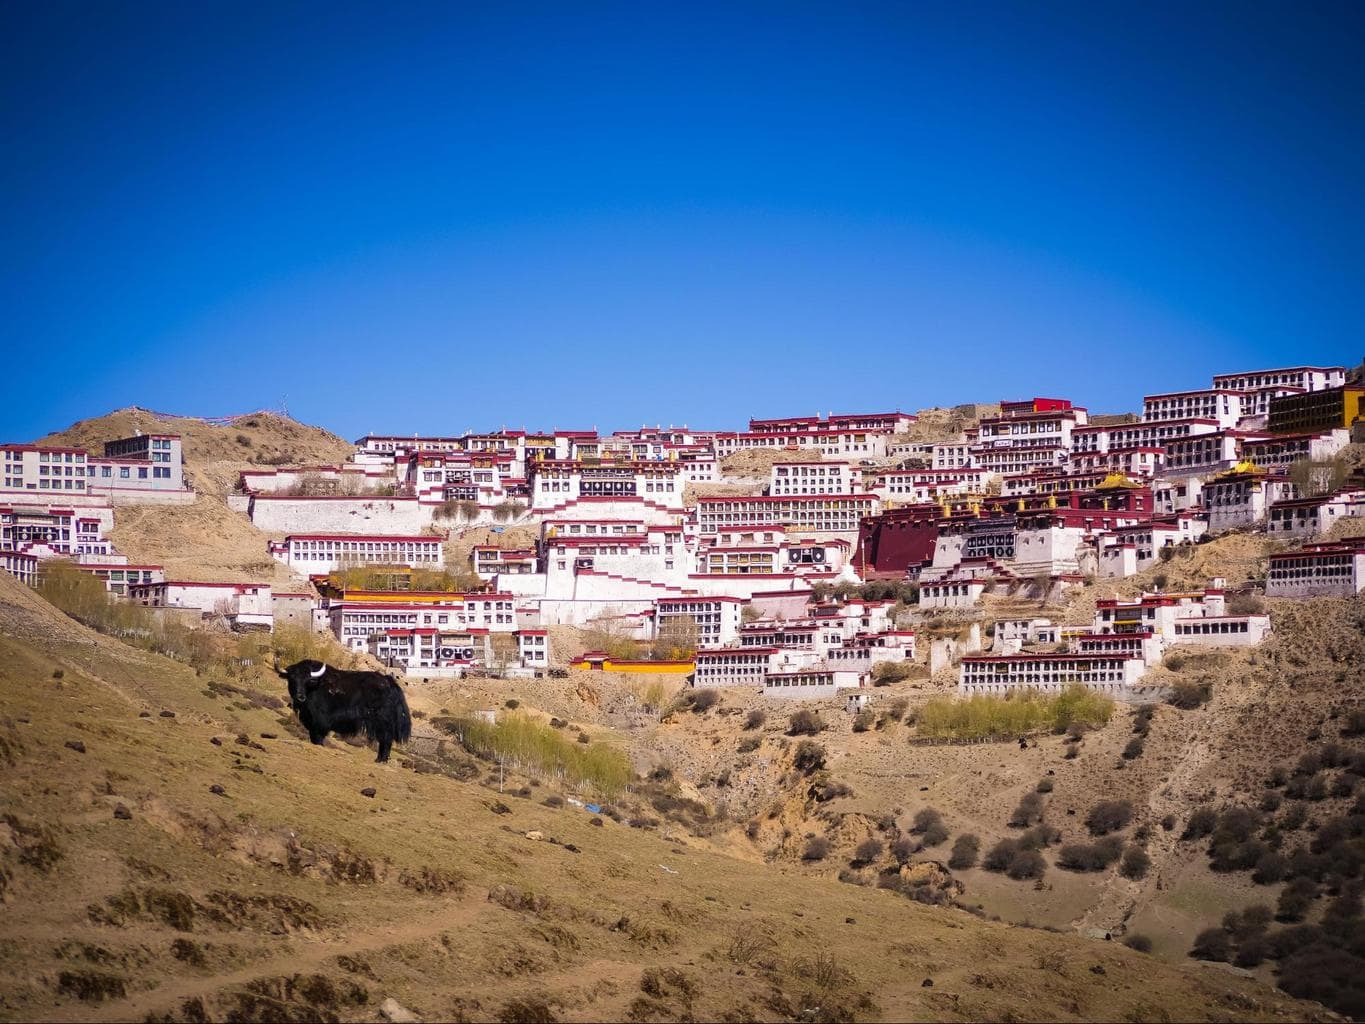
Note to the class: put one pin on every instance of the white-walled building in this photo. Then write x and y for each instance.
(1318, 570)
(714, 620)
(22, 566)
(818, 513)
(243, 605)
(809, 683)
(999, 674)
(1308, 378)
(557, 483)
(1277, 452)
(813, 478)
(1242, 497)
(317, 553)
(1307, 517)
(1222, 405)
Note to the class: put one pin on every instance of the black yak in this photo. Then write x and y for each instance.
(329, 699)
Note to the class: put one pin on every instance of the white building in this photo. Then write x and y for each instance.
(319, 553)
(1307, 517)
(1318, 570)
(1222, 405)
(999, 674)
(1277, 452)
(243, 605)
(818, 513)
(1308, 378)
(714, 620)
(23, 567)
(1242, 497)
(809, 683)
(813, 478)
(354, 621)
(559, 483)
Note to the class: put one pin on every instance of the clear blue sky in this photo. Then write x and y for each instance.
(408, 217)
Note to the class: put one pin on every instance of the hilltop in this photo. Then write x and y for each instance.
(206, 540)
(173, 851)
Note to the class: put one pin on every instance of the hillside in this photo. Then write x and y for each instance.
(173, 851)
(207, 541)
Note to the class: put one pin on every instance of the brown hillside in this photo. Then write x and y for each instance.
(206, 540)
(209, 865)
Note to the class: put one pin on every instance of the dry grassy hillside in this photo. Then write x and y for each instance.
(172, 851)
(207, 541)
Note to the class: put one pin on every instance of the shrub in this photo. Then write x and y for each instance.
(884, 673)
(1108, 816)
(1138, 941)
(804, 723)
(1294, 816)
(1252, 952)
(809, 757)
(1168, 823)
(1040, 837)
(1026, 864)
(964, 852)
(925, 818)
(755, 719)
(998, 857)
(1133, 749)
(1044, 786)
(1270, 868)
(511, 704)
(897, 708)
(1354, 723)
(867, 851)
(704, 700)
(1212, 944)
(1135, 863)
(936, 834)
(748, 745)
(864, 720)
(1090, 856)
(816, 849)
(1187, 696)
(1270, 801)
(1142, 721)
(1202, 823)
(903, 849)
(1295, 899)
(1030, 809)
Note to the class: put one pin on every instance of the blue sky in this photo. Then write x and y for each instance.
(436, 217)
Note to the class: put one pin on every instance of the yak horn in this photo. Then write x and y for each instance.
(314, 675)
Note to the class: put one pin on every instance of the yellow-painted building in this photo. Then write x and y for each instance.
(1315, 411)
(599, 661)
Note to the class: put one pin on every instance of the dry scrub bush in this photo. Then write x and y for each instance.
(964, 852)
(1108, 816)
(816, 849)
(804, 723)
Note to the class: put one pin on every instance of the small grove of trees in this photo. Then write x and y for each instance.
(452, 510)
(83, 597)
(884, 673)
(1013, 714)
(379, 576)
(1316, 477)
(928, 825)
